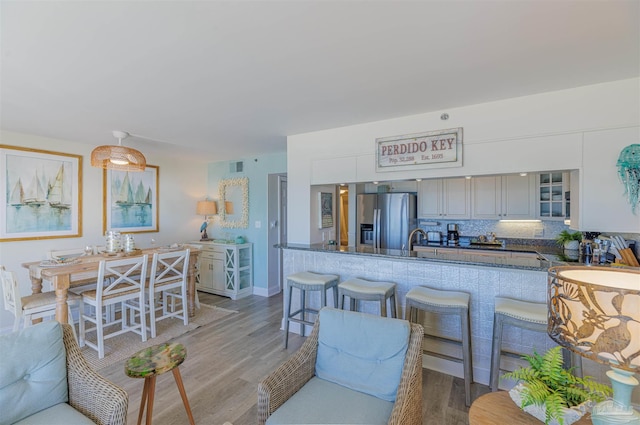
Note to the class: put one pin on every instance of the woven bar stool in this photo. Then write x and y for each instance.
(151, 362)
(446, 303)
(525, 315)
(368, 290)
(308, 281)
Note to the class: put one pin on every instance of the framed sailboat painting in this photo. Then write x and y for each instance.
(42, 194)
(131, 200)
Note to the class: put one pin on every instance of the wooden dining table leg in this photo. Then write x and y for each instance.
(183, 394)
(191, 284)
(36, 288)
(61, 285)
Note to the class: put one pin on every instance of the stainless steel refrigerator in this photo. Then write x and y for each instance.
(384, 220)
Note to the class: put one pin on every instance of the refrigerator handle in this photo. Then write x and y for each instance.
(375, 228)
(377, 217)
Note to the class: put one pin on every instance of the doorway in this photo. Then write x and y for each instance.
(343, 210)
(277, 234)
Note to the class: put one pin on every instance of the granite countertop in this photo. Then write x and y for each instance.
(543, 262)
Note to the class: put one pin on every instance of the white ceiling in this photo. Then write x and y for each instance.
(224, 80)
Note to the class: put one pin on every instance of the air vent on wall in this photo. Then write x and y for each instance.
(236, 167)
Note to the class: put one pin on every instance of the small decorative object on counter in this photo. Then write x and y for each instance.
(570, 241)
(240, 239)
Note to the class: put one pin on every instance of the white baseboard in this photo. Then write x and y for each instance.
(265, 292)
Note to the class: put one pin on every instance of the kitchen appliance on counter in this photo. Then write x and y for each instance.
(453, 235)
(434, 237)
(384, 220)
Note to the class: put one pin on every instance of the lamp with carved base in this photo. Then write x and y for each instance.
(595, 312)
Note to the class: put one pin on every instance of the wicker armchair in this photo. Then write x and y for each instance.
(296, 371)
(89, 393)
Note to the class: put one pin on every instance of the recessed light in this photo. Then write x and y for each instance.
(375, 182)
(467, 177)
(418, 180)
(523, 174)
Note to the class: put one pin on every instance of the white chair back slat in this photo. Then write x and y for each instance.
(169, 267)
(125, 275)
(12, 299)
(169, 278)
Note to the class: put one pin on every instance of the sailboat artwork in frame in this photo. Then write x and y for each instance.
(131, 200)
(42, 194)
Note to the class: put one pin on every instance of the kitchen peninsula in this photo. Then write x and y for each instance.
(483, 278)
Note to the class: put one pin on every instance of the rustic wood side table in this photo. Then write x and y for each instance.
(498, 408)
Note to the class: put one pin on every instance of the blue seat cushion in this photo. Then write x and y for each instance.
(361, 351)
(324, 402)
(59, 414)
(33, 371)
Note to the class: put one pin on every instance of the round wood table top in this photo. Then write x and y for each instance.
(155, 360)
(498, 408)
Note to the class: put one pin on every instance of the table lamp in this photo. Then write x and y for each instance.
(206, 208)
(595, 312)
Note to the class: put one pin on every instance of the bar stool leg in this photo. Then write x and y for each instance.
(466, 355)
(183, 394)
(335, 296)
(383, 307)
(286, 321)
(303, 310)
(495, 352)
(323, 299)
(392, 301)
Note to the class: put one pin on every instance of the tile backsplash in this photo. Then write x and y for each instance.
(517, 230)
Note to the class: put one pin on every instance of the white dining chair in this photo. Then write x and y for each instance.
(168, 279)
(127, 288)
(35, 306)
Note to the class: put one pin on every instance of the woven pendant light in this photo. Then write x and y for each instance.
(118, 157)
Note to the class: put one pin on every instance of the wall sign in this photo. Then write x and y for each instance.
(441, 148)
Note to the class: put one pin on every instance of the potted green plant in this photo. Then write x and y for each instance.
(570, 241)
(551, 393)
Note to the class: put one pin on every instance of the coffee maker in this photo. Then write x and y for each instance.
(452, 234)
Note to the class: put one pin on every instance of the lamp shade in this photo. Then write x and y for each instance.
(228, 207)
(206, 208)
(117, 157)
(595, 312)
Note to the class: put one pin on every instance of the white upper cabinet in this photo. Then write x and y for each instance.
(444, 199)
(509, 197)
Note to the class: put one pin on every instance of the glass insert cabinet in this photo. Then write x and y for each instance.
(552, 190)
(225, 269)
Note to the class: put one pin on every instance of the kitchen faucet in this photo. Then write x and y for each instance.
(413, 232)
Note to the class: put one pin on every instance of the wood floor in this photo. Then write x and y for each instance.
(226, 360)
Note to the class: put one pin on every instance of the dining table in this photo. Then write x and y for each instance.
(85, 267)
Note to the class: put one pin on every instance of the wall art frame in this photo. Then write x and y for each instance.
(325, 205)
(131, 200)
(42, 194)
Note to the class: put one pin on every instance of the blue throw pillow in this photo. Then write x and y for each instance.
(33, 371)
(361, 351)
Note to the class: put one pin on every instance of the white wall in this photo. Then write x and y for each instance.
(181, 185)
(533, 133)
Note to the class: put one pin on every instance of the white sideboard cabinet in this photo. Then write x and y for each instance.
(225, 269)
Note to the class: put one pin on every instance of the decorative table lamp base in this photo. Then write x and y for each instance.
(619, 410)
